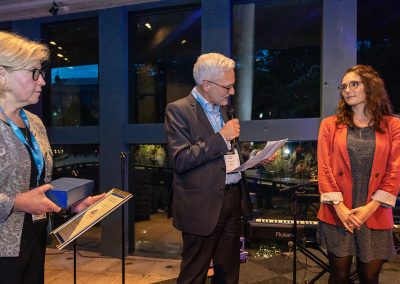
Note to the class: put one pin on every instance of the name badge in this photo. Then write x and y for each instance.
(232, 161)
(37, 218)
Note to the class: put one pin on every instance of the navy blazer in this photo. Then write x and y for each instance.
(196, 154)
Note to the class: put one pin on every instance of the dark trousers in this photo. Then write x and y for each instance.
(222, 246)
(28, 267)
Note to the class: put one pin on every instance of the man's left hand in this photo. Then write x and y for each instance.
(268, 160)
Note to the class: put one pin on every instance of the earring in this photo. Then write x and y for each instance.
(4, 82)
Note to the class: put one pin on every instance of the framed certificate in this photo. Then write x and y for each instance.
(86, 219)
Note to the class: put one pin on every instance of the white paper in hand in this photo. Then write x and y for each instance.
(268, 151)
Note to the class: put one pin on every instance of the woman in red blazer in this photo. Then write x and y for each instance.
(359, 177)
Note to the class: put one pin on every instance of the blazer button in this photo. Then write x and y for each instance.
(221, 190)
(377, 175)
(223, 169)
(340, 173)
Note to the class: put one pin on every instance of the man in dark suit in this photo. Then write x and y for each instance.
(207, 200)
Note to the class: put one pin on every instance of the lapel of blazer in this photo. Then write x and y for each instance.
(342, 141)
(223, 113)
(201, 115)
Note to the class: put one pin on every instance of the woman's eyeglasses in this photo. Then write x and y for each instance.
(36, 73)
(352, 86)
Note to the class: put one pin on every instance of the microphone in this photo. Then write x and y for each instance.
(231, 115)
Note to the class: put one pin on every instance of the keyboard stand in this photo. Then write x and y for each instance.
(308, 253)
(296, 191)
(303, 248)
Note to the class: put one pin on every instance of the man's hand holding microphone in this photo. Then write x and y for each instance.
(231, 129)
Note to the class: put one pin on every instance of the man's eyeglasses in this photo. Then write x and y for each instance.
(227, 88)
(36, 73)
(352, 86)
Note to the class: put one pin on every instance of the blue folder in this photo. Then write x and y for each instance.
(67, 191)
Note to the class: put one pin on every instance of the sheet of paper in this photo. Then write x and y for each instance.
(268, 151)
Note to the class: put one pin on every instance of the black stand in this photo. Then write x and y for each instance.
(74, 262)
(302, 248)
(123, 156)
(299, 246)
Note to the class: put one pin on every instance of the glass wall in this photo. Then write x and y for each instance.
(378, 35)
(72, 79)
(270, 185)
(277, 45)
(163, 47)
(151, 184)
(5, 27)
(78, 161)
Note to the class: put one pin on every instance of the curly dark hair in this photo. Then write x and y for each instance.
(377, 99)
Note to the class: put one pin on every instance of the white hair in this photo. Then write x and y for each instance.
(210, 65)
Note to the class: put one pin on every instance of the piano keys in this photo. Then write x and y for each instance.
(281, 229)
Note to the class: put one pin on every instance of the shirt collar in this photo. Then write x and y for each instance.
(211, 108)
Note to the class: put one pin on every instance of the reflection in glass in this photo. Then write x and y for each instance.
(73, 83)
(277, 49)
(296, 159)
(272, 186)
(75, 95)
(378, 42)
(151, 184)
(163, 48)
(78, 161)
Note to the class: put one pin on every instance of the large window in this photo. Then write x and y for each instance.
(277, 47)
(151, 184)
(272, 186)
(78, 161)
(5, 26)
(378, 35)
(163, 47)
(73, 74)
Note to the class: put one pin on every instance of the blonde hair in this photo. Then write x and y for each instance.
(211, 65)
(17, 52)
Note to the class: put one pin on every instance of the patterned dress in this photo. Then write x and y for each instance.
(366, 244)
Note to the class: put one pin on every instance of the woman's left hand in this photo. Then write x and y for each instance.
(83, 204)
(364, 212)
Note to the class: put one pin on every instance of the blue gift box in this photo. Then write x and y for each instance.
(67, 191)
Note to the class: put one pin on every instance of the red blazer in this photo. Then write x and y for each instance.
(334, 172)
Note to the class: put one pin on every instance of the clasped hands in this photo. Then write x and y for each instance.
(354, 218)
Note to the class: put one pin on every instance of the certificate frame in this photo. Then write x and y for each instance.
(86, 219)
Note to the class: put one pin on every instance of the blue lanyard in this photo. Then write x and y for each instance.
(211, 119)
(36, 153)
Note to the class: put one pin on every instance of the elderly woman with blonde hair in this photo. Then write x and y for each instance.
(25, 162)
